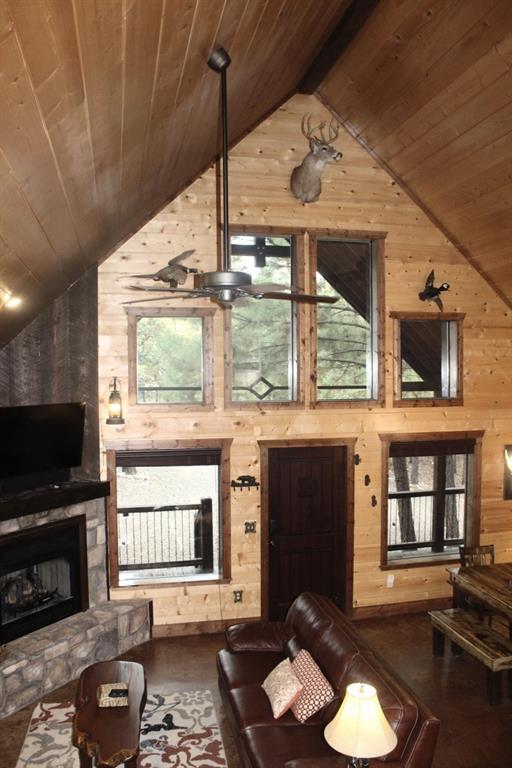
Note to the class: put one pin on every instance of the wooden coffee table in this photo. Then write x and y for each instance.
(109, 734)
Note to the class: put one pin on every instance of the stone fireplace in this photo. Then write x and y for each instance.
(53, 560)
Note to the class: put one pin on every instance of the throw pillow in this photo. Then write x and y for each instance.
(282, 688)
(317, 689)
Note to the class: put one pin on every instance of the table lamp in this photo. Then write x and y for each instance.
(360, 729)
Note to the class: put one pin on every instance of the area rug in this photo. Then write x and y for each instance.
(179, 730)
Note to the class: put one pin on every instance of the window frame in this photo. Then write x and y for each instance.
(377, 240)
(398, 400)
(206, 314)
(298, 324)
(166, 447)
(473, 497)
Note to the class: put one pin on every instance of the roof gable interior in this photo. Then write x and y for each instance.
(107, 116)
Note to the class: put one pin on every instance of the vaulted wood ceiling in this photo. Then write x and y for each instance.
(109, 110)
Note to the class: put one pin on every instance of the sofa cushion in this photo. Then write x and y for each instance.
(317, 691)
(306, 620)
(398, 705)
(273, 746)
(249, 668)
(257, 636)
(282, 688)
(251, 707)
(334, 652)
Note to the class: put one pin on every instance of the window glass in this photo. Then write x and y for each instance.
(427, 504)
(346, 331)
(263, 332)
(168, 521)
(428, 359)
(170, 360)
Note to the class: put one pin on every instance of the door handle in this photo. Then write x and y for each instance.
(272, 529)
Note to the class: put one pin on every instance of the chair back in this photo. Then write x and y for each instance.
(482, 555)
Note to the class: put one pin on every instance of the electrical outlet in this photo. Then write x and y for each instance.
(237, 595)
(250, 526)
(390, 580)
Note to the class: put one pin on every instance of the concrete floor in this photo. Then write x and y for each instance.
(473, 734)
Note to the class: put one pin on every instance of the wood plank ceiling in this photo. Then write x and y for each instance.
(427, 88)
(109, 110)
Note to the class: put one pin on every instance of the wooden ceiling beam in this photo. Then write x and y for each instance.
(344, 33)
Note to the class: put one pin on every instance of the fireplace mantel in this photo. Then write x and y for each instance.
(41, 499)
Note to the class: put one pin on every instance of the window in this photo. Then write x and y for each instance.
(263, 364)
(347, 354)
(428, 355)
(166, 515)
(430, 492)
(170, 356)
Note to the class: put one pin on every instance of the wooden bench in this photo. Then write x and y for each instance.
(468, 633)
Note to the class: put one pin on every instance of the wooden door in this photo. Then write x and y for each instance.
(307, 516)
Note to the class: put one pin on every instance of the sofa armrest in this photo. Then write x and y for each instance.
(257, 636)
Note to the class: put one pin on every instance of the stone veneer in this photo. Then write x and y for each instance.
(45, 659)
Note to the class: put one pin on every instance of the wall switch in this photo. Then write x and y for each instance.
(390, 580)
(237, 595)
(250, 526)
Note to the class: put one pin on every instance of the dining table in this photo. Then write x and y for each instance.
(489, 585)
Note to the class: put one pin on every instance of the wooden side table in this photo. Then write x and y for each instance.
(109, 734)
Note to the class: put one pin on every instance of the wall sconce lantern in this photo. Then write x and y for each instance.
(115, 404)
(507, 472)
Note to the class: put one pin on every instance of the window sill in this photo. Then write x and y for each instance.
(166, 584)
(420, 562)
(347, 403)
(426, 402)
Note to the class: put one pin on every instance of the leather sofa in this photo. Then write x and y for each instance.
(314, 623)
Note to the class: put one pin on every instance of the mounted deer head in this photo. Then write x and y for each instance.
(305, 179)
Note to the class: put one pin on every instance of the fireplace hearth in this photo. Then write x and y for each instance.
(43, 576)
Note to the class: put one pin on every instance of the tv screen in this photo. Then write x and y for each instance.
(38, 440)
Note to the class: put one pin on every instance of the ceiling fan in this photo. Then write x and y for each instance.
(225, 286)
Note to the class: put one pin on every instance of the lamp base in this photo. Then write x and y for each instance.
(358, 762)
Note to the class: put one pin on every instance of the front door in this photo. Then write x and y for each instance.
(307, 516)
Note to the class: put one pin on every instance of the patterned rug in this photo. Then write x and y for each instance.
(178, 729)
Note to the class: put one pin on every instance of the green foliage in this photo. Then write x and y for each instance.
(169, 355)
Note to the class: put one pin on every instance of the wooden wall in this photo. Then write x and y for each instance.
(357, 195)
(55, 360)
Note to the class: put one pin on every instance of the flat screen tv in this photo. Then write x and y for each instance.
(39, 444)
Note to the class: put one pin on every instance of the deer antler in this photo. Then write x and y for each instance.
(309, 131)
(334, 129)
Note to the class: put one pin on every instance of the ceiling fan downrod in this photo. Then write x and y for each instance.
(224, 283)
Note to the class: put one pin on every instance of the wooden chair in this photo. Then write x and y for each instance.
(482, 555)
(469, 556)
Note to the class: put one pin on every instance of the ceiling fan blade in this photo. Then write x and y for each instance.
(305, 298)
(264, 287)
(161, 289)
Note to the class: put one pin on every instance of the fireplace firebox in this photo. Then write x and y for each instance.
(43, 576)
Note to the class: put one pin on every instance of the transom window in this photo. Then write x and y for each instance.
(430, 498)
(264, 333)
(170, 356)
(347, 332)
(165, 518)
(428, 355)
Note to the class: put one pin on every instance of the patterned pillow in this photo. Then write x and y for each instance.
(317, 689)
(282, 688)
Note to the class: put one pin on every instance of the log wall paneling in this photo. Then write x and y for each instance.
(357, 196)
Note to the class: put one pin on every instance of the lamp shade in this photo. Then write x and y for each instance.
(360, 728)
